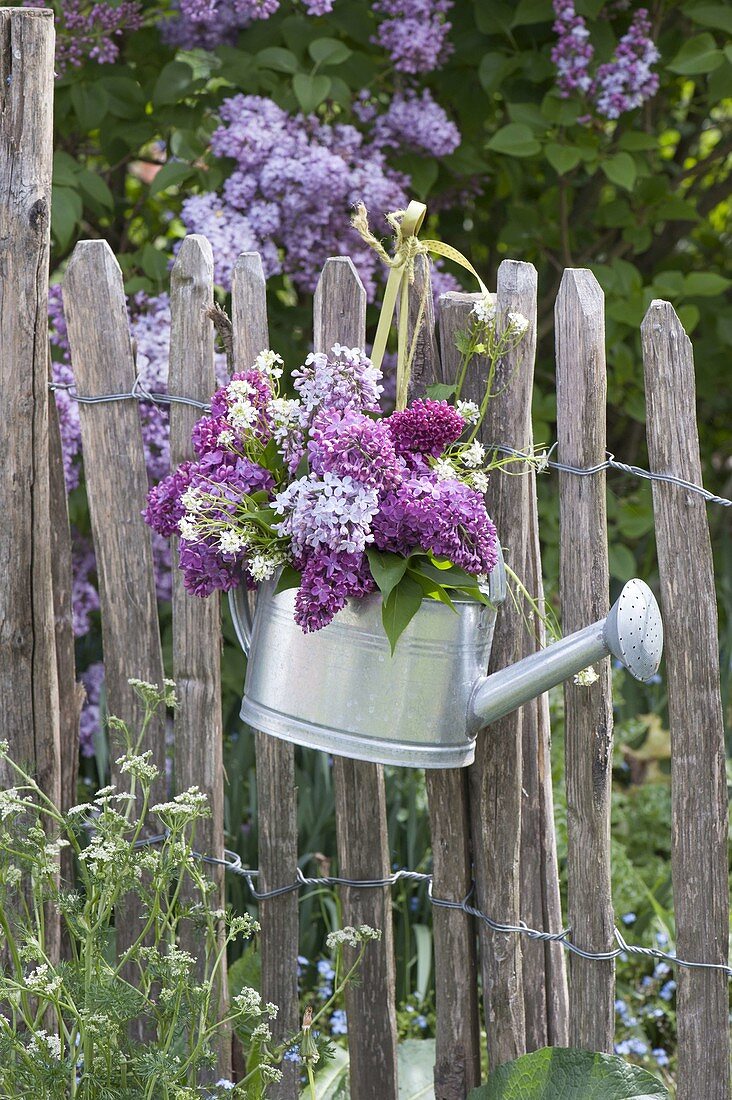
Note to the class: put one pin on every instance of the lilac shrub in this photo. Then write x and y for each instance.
(621, 84)
(90, 31)
(414, 33)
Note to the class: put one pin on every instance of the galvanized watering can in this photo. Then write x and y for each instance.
(340, 690)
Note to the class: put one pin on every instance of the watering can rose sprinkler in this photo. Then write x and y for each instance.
(344, 691)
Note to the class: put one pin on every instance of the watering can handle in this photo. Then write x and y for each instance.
(241, 613)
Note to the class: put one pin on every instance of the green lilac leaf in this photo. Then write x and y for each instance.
(386, 569)
(289, 578)
(439, 391)
(400, 608)
(557, 1073)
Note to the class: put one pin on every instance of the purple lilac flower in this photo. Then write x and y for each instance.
(426, 427)
(205, 570)
(627, 82)
(328, 580)
(164, 509)
(573, 52)
(90, 31)
(348, 444)
(84, 594)
(445, 518)
(414, 33)
(330, 513)
(416, 122)
(230, 232)
(210, 23)
(294, 182)
(90, 720)
(344, 379)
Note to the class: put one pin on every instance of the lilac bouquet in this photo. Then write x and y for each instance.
(323, 492)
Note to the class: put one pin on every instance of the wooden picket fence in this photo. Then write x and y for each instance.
(492, 824)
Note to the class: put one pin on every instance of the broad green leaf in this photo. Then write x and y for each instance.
(563, 158)
(431, 589)
(689, 316)
(274, 57)
(329, 51)
(515, 140)
(529, 114)
(532, 11)
(174, 81)
(622, 562)
(386, 569)
(620, 169)
(310, 90)
(66, 211)
(635, 140)
(718, 16)
(90, 103)
(400, 608)
(331, 1081)
(494, 67)
(170, 175)
(95, 189)
(125, 96)
(705, 284)
(154, 262)
(289, 578)
(416, 1062)
(558, 1073)
(698, 55)
(65, 170)
(423, 938)
(565, 112)
(440, 391)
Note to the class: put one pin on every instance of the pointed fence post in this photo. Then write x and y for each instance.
(29, 715)
(116, 485)
(363, 843)
(584, 593)
(197, 721)
(698, 781)
(276, 791)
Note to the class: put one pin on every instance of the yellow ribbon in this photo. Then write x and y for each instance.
(407, 246)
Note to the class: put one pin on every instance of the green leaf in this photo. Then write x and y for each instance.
(416, 1060)
(95, 189)
(400, 608)
(494, 67)
(386, 569)
(532, 11)
(718, 16)
(701, 284)
(332, 1079)
(289, 578)
(174, 81)
(329, 51)
(65, 170)
(698, 55)
(170, 175)
(622, 562)
(620, 169)
(558, 1073)
(154, 262)
(440, 391)
(635, 140)
(125, 96)
(277, 58)
(431, 589)
(423, 938)
(563, 158)
(514, 140)
(90, 103)
(66, 211)
(310, 90)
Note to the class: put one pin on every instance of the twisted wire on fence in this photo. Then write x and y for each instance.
(232, 862)
(540, 460)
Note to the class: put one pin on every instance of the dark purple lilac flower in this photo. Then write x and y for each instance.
(426, 427)
(90, 31)
(84, 594)
(328, 580)
(349, 444)
(164, 510)
(205, 570)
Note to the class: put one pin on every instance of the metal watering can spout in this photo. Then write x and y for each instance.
(632, 632)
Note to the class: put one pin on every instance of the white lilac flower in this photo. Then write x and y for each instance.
(444, 469)
(231, 541)
(586, 677)
(243, 414)
(485, 308)
(264, 566)
(518, 323)
(473, 456)
(479, 481)
(240, 390)
(188, 529)
(468, 410)
(225, 439)
(269, 362)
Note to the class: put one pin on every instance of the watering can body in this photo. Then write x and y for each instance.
(340, 689)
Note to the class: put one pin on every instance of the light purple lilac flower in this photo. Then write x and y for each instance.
(84, 594)
(416, 122)
(326, 512)
(90, 720)
(295, 181)
(210, 23)
(414, 33)
(627, 82)
(345, 378)
(573, 51)
(348, 444)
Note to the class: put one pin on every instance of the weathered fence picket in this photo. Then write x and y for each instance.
(360, 795)
(29, 712)
(584, 595)
(276, 793)
(699, 849)
(116, 485)
(197, 721)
